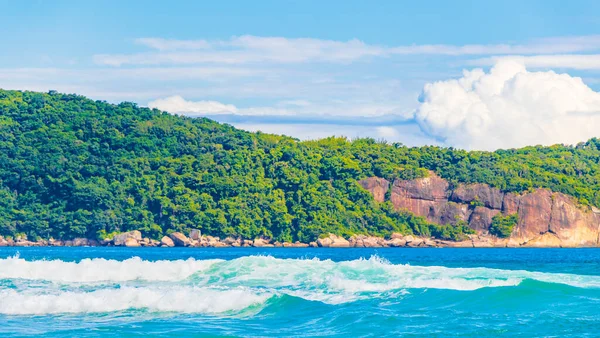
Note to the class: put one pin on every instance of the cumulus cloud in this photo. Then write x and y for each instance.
(509, 107)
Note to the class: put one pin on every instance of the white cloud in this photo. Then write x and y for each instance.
(509, 107)
(387, 133)
(169, 44)
(572, 61)
(255, 49)
(301, 109)
(178, 105)
(296, 103)
(243, 49)
(409, 135)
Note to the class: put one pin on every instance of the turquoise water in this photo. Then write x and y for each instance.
(59, 292)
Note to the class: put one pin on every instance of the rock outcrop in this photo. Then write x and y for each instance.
(121, 239)
(180, 239)
(545, 218)
(333, 241)
(166, 241)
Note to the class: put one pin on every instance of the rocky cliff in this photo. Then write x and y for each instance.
(545, 218)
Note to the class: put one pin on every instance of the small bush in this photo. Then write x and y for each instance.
(502, 226)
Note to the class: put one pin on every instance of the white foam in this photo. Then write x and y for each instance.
(100, 270)
(180, 299)
(312, 279)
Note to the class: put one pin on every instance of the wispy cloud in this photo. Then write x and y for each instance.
(256, 49)
(323, 112)
(571, 61)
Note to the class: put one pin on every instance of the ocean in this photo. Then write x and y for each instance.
(95, 292)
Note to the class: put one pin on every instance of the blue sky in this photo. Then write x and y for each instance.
(311, 69)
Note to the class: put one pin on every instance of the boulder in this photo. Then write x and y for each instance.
(452, 244)
(180, 239)
(195, 234)
(338, 242)
(25, 243)
(132, 242)
(211, 241)
(232, 241)
(299, 245)
(429, 242)
(313, 245)
(54, 242)
(260, 242)
(397, 235)
(324, 242)
(119, 240)
(80, 242)
(364, 241)
(167, 242)
(396, 242)
(413, 242)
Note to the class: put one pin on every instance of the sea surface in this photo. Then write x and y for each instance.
(95, 292)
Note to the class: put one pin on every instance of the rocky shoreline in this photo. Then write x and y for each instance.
(195, 240)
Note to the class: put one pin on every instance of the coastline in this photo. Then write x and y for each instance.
(134, 239)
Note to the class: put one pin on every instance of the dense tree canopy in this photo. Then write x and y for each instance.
(73, 167)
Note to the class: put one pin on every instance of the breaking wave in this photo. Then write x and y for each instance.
(181, 299)
(232, 286)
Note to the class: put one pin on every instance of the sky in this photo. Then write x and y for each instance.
(466, 74)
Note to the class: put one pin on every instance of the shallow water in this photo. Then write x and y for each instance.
(299, 292)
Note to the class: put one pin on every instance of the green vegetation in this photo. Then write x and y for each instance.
(73, 167)
(502, 226)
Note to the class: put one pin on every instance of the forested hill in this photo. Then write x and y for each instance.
(73, 167)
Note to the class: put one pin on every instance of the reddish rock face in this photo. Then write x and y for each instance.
(377, 186)
(422, 196)
(432, 188)
(573, 225)
(545, 218)
(425, 208)
(481, 218)
(490, 197)
(451, 213)
(534, 214)
(510, 204)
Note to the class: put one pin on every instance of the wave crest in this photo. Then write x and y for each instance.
(180, 299)
(218, 286)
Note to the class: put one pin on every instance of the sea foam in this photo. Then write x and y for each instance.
(180, 299)
(217, 286)
(101, 270)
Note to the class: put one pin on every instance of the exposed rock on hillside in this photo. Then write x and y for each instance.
(545, 218)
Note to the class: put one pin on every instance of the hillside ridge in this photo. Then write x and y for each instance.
(71, 167)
